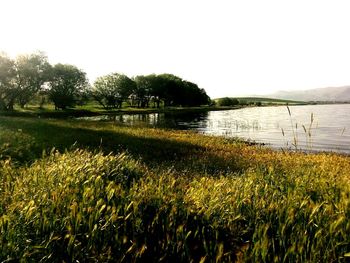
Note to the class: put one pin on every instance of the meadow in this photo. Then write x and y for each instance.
(80, 191)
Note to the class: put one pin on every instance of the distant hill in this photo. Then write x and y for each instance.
(269, 100)
(341, 94)
(260, 101)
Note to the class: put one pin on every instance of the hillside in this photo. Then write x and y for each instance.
(262, 101)
(269, 100)
(340, 94)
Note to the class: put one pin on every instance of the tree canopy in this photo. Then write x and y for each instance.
(67, 85)
(31, 76)
(171, 90)
(7, 82)
(110, 90)
(33, 71)
(226, 101)
(141, 91)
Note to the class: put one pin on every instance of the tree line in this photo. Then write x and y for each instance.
(31, 76)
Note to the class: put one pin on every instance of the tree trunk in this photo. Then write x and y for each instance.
(10, 105)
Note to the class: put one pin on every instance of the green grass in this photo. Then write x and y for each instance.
(92, 109)
(114, 193)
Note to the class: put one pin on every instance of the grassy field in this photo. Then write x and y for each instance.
(79, 191)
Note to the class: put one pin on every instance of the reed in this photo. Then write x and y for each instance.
(295, 141)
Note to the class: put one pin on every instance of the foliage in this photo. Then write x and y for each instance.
(169, 89)
(111, 90)
(22, 79)
(67, 85)
(144, 89)
(31, 77)
(33, 71)
(193, 95)
(226, 101)
(8, 90)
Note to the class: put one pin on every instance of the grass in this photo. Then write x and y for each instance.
(114, 193)
(93, 109)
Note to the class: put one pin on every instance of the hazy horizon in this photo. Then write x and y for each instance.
(228, 48)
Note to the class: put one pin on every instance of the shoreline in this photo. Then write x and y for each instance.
(76, 112)
(100, 172)
(83, 111)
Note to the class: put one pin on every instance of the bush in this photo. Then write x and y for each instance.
(228, 101)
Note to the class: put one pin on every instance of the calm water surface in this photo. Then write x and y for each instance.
(327, 130)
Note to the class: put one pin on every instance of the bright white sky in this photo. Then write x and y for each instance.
(227, 47)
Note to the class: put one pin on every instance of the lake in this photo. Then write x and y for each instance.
(309, 127)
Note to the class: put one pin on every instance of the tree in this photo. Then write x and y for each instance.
(178, 92)
(143, 89)
(226, 101)
(192, 95)
(156, 89)
(7, 82)
(67, 85)
(125, 86)
(32, 72)
(111, 90)
(172, 89)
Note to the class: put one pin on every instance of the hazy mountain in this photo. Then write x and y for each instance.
(340, 94)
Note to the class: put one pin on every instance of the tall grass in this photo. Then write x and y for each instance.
(167, 196)
(307, 129)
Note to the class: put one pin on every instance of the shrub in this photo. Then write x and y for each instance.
(228, 101)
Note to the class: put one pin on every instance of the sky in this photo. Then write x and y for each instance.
(227, 47)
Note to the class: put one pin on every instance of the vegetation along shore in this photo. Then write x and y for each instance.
(101, 192)
(30, 85)
(81, 191)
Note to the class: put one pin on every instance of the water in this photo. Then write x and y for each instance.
(329, 130)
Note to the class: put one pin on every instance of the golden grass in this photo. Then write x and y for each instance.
(167, 195)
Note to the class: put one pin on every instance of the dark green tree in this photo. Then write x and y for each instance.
(143, 89)
(67, 86)
(192, 95)
(226, 101)
(149, 88)
(169, 89)
(171, 86)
